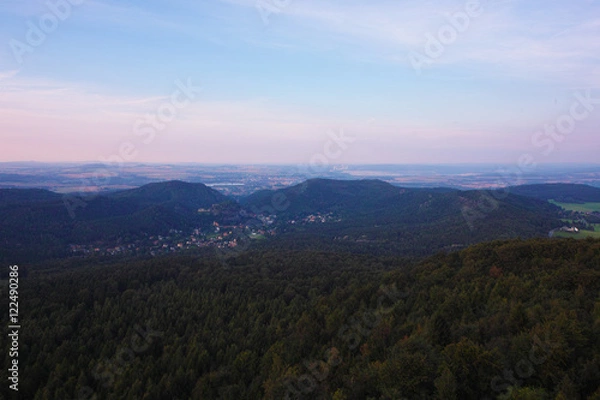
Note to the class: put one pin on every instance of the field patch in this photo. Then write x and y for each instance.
(583, 207)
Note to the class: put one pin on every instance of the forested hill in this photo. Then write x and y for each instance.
(176, 193)
(325, 195)
(561, 192)
(362, 215)
(38, 225)
(20, 196)
(501, 320)
(367, 215)
(380, 200)
(376, 217)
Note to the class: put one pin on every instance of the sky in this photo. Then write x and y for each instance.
(290, 81)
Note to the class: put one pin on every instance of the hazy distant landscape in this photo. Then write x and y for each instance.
(300, 200)
(241, 180)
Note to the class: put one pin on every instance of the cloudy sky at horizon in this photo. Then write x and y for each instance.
(290, 81)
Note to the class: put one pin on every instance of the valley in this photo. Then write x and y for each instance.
(362, 215)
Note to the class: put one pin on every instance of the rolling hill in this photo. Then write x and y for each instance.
(363, 215)
(560, 192)
(383, 218)
(38, 224)
(20, 196)
(172, 193)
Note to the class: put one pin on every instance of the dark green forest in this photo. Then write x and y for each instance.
(508, 319)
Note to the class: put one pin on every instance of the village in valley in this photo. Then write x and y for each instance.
(218, 236)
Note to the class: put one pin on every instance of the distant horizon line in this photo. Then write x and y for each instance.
(571, 163)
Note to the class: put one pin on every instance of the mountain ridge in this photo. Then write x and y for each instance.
(365, 214)
(561, 192)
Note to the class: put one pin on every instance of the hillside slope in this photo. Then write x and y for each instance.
(38, 225)
(368, 216)
(561, 192)
(383, 218)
